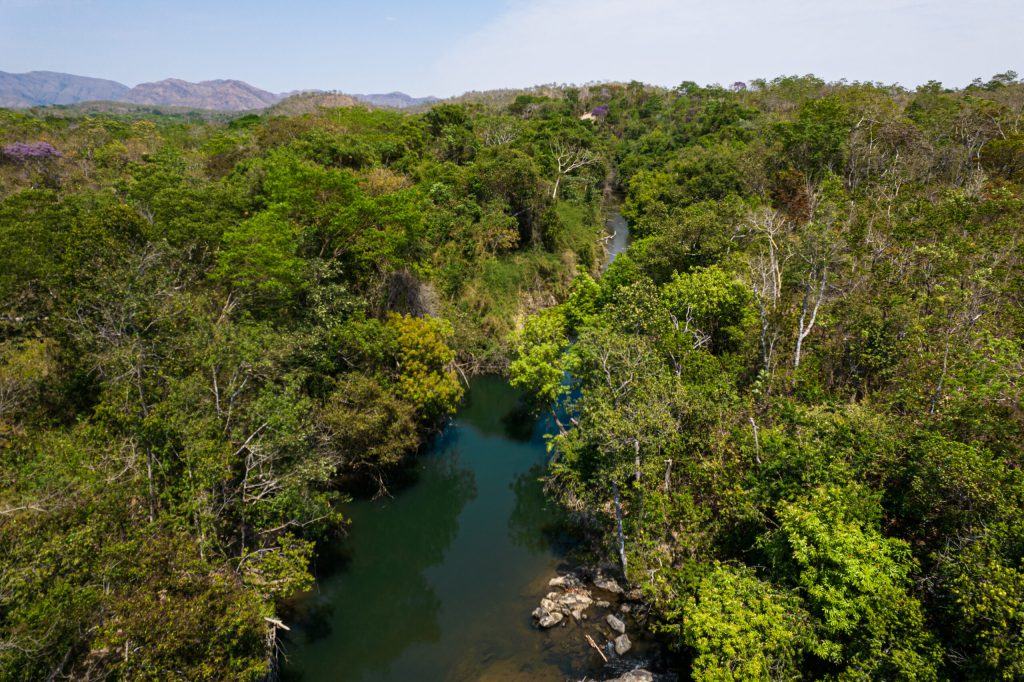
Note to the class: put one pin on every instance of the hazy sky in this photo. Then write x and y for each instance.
(445, 47)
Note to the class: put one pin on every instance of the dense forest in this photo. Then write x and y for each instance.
(800, 389)
(792, 409)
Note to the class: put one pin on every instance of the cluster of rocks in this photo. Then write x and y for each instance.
(573, 599)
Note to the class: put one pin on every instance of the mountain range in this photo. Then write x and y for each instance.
(44, 88)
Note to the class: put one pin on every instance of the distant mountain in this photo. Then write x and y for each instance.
(43, 88)
(39, 88)
(395, 100)
(225, 95)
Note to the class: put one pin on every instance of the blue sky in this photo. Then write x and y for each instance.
(446, 47)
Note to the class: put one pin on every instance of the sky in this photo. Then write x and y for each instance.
(446, 47)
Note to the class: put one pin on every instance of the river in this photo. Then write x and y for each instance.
(438, 581)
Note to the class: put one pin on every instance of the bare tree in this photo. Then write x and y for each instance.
(498, 131)
(569, 157)
(814, 296)
(769, 229)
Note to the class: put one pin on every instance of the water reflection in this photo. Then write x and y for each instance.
(493, 409)
(366, 615)
(536, 523)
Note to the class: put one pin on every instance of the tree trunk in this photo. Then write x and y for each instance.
(618, 521)
(636, 461)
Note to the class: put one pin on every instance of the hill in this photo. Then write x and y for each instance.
(226, 95)
(39, 88)
(45, 88)
(396, 100)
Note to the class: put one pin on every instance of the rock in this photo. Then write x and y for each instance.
(638, 675)
(547, 619)
(568, 580)
(556, 605)
(625, 608)
(602, 604)
(607, 584)
(550, 605)
(615, 624)
(568, 602)
(622, 645)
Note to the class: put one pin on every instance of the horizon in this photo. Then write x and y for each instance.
(385, 92)
(454, 47)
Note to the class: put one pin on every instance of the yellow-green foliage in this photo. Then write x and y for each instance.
(426, 377)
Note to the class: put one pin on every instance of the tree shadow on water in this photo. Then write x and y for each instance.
(364, 617)
(537, 523)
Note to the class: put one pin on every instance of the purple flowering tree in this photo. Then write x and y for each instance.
(22, 152)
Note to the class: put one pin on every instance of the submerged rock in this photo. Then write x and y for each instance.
(622, 644)
(615, 624)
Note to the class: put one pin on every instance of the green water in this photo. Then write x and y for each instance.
(440, 579)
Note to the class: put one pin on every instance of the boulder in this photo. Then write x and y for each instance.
(550, 605)
(622, 645)
(573, 603)
(638, 675)
(615, 624)
(566, 581)
(547, 619)
(607, 584)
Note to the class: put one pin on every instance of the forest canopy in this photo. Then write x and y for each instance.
(800, 386)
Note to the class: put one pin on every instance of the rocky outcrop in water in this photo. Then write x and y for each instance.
(573, 599)
(590, 609)
(573, 602)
